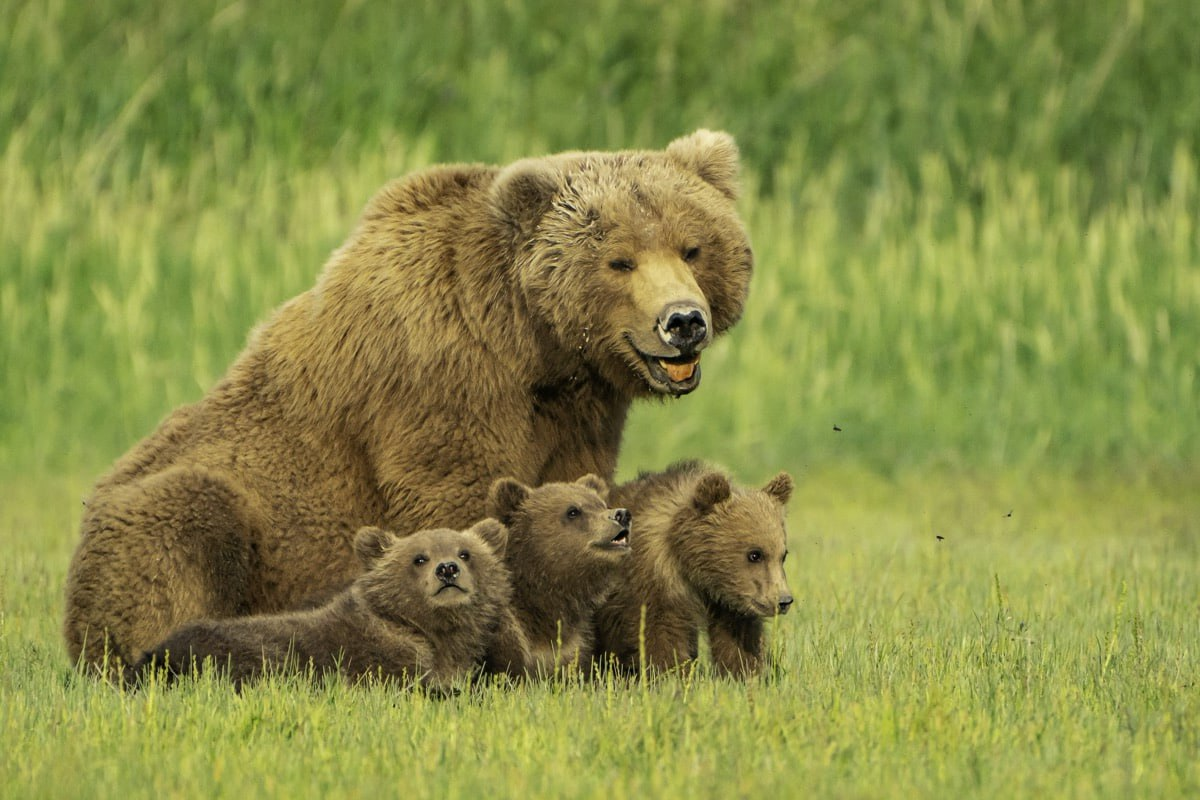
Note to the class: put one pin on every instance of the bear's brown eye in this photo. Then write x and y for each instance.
(690, 254)
(419, 560)
(622, 265)
(755, 556)
(464, 555)
(573, 512)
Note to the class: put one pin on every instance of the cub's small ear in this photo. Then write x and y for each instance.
(713, 155)
(596, 484)
(780, 487)
(712, 489)
(493, 533)
(523, 192)
(505, 497)
(370, 543)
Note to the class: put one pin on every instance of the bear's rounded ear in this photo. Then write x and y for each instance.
(596, 484)
(493, 533)
(370, 543)
(713, 155)
(780, 488)
(505, 497)
(523, 192)
(713, 488)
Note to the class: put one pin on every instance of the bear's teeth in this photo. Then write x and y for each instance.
(679, 372)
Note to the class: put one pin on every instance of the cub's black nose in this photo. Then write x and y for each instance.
(622, 517)
(785, 603)
(683, 326)
(447, 571)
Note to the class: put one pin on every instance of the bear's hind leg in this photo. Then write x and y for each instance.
(171, 547)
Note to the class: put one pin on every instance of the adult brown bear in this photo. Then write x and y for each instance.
(480, 322)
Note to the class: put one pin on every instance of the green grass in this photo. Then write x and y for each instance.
(977, 228)
(976, 224)
(1045, 646)
(1001, 331)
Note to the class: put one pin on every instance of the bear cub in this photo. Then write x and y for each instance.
(566, 548)
(425, 611)
(709, 556)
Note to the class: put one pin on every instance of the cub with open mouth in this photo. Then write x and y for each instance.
(426, 610)
(565, 549)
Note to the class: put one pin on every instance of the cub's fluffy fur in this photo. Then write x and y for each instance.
(426, 610)
(708, 555)
(566, 547)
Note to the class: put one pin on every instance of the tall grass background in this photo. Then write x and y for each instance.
(976, 223)
(973, 334)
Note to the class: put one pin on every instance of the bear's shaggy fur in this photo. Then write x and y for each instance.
(425, 611)
(480, 322)
(707, 555)
(566, 547)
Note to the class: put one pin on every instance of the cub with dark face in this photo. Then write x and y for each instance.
(709, 556)
(566, 548)
(425, 611)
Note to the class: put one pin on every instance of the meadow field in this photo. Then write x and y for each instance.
(973, 337)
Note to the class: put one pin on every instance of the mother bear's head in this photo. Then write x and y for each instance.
(633, 261)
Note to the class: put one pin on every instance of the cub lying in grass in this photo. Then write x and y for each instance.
(426, 611)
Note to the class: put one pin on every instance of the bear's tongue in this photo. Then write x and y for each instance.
(680, 372)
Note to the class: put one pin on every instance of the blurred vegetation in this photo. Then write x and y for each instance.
(976, 222)
(1109, 87)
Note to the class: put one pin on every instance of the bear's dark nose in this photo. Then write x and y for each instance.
(622, 517)
(785, 603)
(447, 571)
(683, 326)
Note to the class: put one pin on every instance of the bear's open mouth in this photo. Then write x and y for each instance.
(676, 375)
(618, 542)
(680, 369)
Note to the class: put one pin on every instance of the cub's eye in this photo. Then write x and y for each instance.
(573, 512)
(464, 556)
(419, 560)
(755, 556)
(690, 254)
(785, 552)
(622, 265)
